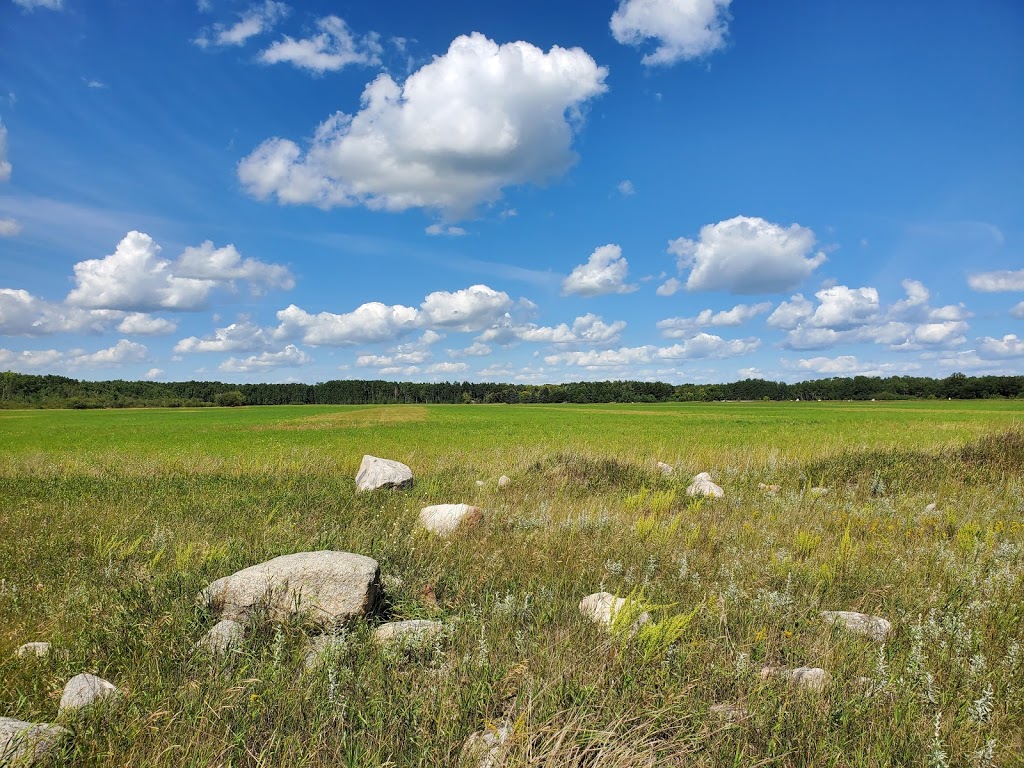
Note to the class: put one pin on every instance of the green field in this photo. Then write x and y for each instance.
(114, 520)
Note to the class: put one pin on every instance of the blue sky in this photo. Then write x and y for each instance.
(680, 190)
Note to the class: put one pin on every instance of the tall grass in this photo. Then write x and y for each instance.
(103, 557)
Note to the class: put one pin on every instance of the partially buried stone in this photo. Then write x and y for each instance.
(487, 748)
(702, 485)
(603, 607)
(873, 627)
(445, 519)
(38, 649)
(406, 633)
(23, 743)
(665, 469)
(375, 473)
(222, 636)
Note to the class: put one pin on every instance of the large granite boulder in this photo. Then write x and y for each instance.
(84, 690)
(445, 519)
(23, 744)
(377, 473)
(323, 587)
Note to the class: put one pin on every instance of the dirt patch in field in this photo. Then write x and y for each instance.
(363, 417)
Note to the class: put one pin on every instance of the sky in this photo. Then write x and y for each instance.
(531, 192)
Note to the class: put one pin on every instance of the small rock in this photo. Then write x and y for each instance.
(84, 690)
(487, 748)
(222, 636)
(665, 469)
(325, 587)
(406, 633)
(809, 678)
(874, 627)
(504, 480)
(601, 608)
(931, 507)
(377, 473)
(819, 490)
(34, 649)
(23, 743)
(729, 712)
(444, 519)
(480, 483)
(703, 486)
(770, 488)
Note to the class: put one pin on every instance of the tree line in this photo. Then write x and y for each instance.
(19, 390)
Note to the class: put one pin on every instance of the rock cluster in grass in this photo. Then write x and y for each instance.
(874, 627)
(324, 588)
(375, 473)
(702, 485)
(85, 690)
(24, 743)
(445, 519)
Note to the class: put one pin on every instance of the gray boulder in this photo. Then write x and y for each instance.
(23, 744)
(323, 587)
(222, 636)
(34, 649)
(445, 519)
(807, 678)
(703, 486)
(84, 690)
(665, 469)
(874, 627)
(377, 473)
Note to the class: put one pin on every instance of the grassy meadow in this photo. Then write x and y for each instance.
(113, 520)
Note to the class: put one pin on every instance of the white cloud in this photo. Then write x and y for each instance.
(445, 368)
(29, 360)
(153, 373)
(849, 365)
(440, 229)
(470, 309)
(476, 349)
(626, 188)
(135, 278)
(123, 352)
(747, 255)
(5, 165)
(1008, 346)
(471, 122)
(225, 265)
(31, 5)
(588, 329)
(605, 272)
(679, 327)
(683, 29)
(846, 315)
(701, 345)
(670, 287)
(1001, 280)
(142, 324)
(289, 357)
(255, 21)
(243, 336)
(367, 323)
(9, 227)
(333, 48)
(1018, 311)
(22, 314)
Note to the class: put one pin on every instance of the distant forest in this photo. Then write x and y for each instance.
(27, 391)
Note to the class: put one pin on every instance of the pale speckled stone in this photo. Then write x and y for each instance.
(84, 690)
(375, 473)
(601, 608)
(702, 485)
(874, 627)
(222, 636)
(445, 519)
(23, 743)
(402, 633)
(807, 678)
(665, 469)
(487, 748)
(324, 587)
(504, 480)
(37, 649)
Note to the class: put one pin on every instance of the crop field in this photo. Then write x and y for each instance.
(113, 521)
